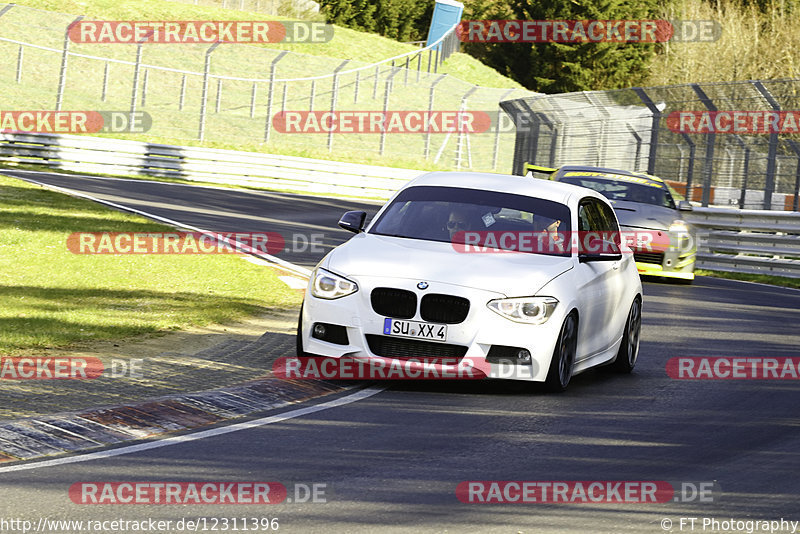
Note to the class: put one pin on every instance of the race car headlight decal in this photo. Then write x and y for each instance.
(679, 226)
(531, 310)
(331, 286)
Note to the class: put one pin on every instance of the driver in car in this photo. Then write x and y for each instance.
(461, 219)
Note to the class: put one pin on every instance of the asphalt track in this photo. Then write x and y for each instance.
(392, 461)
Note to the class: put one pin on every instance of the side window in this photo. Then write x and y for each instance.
(590, 218)
(595, 216)
(609, 221)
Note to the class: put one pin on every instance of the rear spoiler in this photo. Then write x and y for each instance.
(530, 170)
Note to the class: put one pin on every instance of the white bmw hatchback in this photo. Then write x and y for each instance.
(481, 270)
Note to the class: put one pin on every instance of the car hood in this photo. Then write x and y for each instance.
(512, 274)
(640, 215)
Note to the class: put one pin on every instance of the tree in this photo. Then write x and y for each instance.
(402, 20)
(566, 67)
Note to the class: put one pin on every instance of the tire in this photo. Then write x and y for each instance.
(629, 348)
(563, 361)
(299, 336)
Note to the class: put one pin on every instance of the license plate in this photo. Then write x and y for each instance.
(415, 329)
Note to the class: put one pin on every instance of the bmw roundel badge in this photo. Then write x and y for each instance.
(422, 285)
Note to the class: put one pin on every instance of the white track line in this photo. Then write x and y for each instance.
(178, 440)
(296, 269)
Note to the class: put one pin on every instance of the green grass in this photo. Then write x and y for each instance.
(232, 126)
(52, 298)
(346, 43)
(783, 281)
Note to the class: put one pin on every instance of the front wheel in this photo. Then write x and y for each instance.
(563, 361)
(299, 338)
(629, 348)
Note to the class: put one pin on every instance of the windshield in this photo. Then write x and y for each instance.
(452, 214)
(624, 190)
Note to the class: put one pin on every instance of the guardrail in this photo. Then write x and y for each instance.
(230, 167)
(748, 241)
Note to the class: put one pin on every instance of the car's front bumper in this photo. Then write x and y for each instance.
(676, 260)
(485, 341)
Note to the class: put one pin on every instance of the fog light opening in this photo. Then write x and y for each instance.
(319, 331)
(523, 356)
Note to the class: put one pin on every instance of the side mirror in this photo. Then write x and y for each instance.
(585, 258)
(353, 221)
(683, 205)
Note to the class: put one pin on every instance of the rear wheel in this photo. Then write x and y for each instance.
(629, 348)
(563, 361)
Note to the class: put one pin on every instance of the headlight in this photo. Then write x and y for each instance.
(531, 310)
(327, 285)
(679, 226)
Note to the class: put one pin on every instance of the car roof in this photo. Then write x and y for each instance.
(605, 172)
(506, 183)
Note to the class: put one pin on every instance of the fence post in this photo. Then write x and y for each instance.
(386, 95)
(313, 94)
(183, 93)
(651, 157)
(19, 64)
(459, 122)
(745, 170)
(769, 185)
(334, 96)
(690, 170)
(796, 149)
(638, 154)
(271, 92)
(253, 94)
(218, 99)
(375, 85)
(136, 70)
(430, 110)
(105, 82)
(144, 85)
(62, 75)
(204, 97)
(355, 92)
(283, 97)
(497, 129)
(708, 166)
